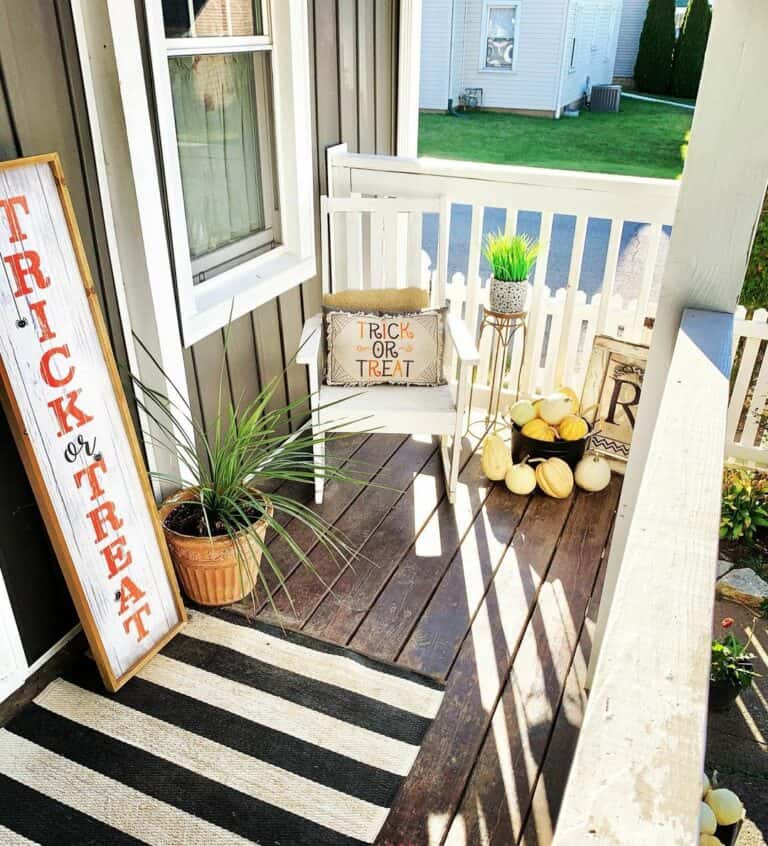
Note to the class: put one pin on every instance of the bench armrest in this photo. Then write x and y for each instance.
(311, 342)
(463, 342)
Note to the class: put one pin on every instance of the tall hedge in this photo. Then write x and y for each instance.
(691, 44)
(754, 293)
(653, 68)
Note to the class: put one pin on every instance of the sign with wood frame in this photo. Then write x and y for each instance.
(611, 394)
(70, 420)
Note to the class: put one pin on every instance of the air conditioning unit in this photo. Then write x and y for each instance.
(605, 98)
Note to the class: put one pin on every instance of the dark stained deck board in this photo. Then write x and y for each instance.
(436, 638)
(476, 680)
(357, 523)
(397, 609)
(550, 784)
(339, 615)
(491, 595)
(364, 463)
(498, 794)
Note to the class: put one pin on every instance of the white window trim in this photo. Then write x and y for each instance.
(206, 307)
(487, 6)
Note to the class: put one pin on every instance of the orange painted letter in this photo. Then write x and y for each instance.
(10, 216)
(64, 411)
(23, 265)
(90, 472)
(117, 556)
(128, 591)
(104, 513)
(141, 629)
(45, 367)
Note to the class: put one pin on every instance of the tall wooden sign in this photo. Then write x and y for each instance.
(65, 405)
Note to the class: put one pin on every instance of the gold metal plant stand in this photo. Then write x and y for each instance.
(504, 326)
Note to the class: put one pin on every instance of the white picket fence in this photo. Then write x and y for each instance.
(542, 344)
(561, 323)
(746, 437)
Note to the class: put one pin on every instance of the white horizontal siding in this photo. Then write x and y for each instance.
(435, 53)
(632, 20)
(533, 84)
(595, 24)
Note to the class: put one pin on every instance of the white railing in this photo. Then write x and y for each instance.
(746, 439)
(636, 775)
(561, 320)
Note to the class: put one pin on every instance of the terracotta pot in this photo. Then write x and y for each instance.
(209, 569)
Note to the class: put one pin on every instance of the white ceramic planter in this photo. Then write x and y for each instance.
(507, 297)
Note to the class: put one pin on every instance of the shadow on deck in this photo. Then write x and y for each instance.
(497, 596)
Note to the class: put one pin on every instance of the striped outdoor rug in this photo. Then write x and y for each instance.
(236, 733)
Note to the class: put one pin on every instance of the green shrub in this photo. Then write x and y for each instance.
(689, 52)
(653, 68)
(754, 293)
(744, 505)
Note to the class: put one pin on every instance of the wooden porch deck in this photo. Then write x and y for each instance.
(496, 596)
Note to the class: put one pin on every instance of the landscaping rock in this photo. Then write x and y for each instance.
(724, 567)
(745, 586)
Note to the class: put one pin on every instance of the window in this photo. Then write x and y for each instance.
(500, 32)
(233, 142)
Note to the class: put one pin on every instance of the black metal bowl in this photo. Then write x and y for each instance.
(570, 451)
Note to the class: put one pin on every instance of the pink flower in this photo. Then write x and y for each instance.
(727, 622)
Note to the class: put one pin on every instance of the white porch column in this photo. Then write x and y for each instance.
(408, 78)
(121, 126)
(721, 195)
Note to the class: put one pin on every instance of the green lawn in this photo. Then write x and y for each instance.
(644, 139)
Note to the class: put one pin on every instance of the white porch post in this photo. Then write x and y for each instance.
(408, 76)
(721, 195)
(113, 74)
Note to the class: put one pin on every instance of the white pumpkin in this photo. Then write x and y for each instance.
(707, 819)
(522, 412)
(521, 479)
(726, 805)
(705, 785)
(555, 408)
(592, 473)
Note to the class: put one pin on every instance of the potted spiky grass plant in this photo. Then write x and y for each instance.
(238, 491)
(511, 258)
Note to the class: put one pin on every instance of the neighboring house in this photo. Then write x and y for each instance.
(632, 20)
(526, 57)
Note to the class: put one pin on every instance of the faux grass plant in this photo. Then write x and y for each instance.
(510, 256)
(248, 449)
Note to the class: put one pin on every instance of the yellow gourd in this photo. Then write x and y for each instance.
(709, 840)
(495, 459)
(705, 785)
(726, 805)
(573, 428)
(555, 408)
(521, 479)
(555, 478)
(539, 431)
(569, 392)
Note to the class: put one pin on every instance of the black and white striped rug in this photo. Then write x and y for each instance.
(237, 733)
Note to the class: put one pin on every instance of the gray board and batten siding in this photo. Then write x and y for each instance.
(353, 64)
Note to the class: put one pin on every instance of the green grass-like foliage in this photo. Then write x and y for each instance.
(690, 49)
(744, 505)
(510, 256)
(653, 67)
(643, 139)
(248, 448)
(731, 662)
(754, 293)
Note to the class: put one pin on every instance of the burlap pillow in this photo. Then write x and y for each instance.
(386, 300)
(396, 349)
